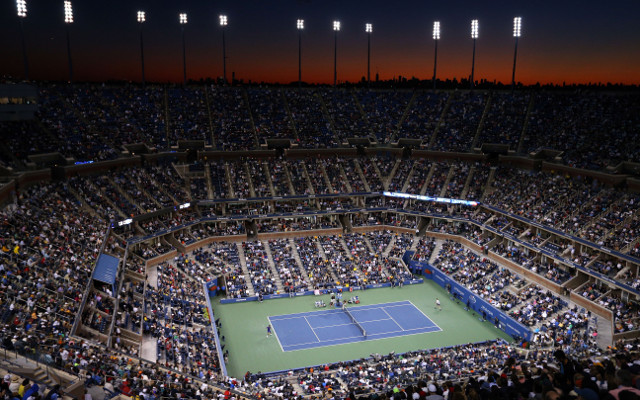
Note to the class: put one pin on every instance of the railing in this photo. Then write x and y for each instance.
(41, 357)
(216, 337)
(32, 354)
(74, 328)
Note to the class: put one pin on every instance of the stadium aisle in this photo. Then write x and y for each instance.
(148, 349)
(152, 276)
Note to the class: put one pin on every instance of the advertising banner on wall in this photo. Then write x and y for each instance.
(479, 305)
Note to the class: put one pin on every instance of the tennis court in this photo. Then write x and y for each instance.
(355, 324)
(244, 332)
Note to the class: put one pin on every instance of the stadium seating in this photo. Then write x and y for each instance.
(55, 224)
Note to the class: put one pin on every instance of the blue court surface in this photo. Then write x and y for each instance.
(334, 326)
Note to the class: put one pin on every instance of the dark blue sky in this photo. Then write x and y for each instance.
(561, 41)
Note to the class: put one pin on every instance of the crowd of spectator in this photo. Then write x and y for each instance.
(538, 305)
(92, 122)
(459, 126)
(260, 272)
(51, 234)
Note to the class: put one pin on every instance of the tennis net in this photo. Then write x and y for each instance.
(356, 323)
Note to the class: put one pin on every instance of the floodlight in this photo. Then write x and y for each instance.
(300, 26)
(474, 36)
(336, 29)
(22, 8)
(517, 26)
(68, 12)
(436, 37)
(223, 20)
(141, 19)
(436, 30)
(369, 29)
(182, 18)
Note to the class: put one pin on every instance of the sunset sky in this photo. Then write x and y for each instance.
(562, 41)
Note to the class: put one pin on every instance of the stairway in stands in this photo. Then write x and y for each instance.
(243, 263)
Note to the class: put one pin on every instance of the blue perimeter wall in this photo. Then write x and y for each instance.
(506, 323)
(209, 287)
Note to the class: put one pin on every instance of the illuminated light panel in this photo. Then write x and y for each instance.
(68, 12)
(429, 198)
(517, 26)
(125, 222)
(21, 6)
(436, 30)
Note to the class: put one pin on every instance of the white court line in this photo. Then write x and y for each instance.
(403, 330)
(304, 314)
(424, 327)
(367, 339)
(373, 320)
(354, 309)
(304, 344)
(388, 332)
(342, 338)
(335, 310)
(329, 326)
(399, 305)
(424, 314)
(394, 321)
(314, 332)
(378, 308)
(325, 341)
(379, 305)
(373, 334)
(273, 328)
(334, 326)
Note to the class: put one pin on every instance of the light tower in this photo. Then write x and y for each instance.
(21, 6)
(300, 26)
(223, 24)
(336, 29)
(474, 36)
(517, 26)
(68, 20)
(141, 19)
(183, 21)
(368, 28)
(436, 37)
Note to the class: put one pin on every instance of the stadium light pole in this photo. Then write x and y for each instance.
(21, 6)
(300, 26)
(517, 26)
(141, 19)
(436, 37)
(223, 24)
(474, 36)
(336, 29)
(183, 21)
(368, 28)
(68, 20)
